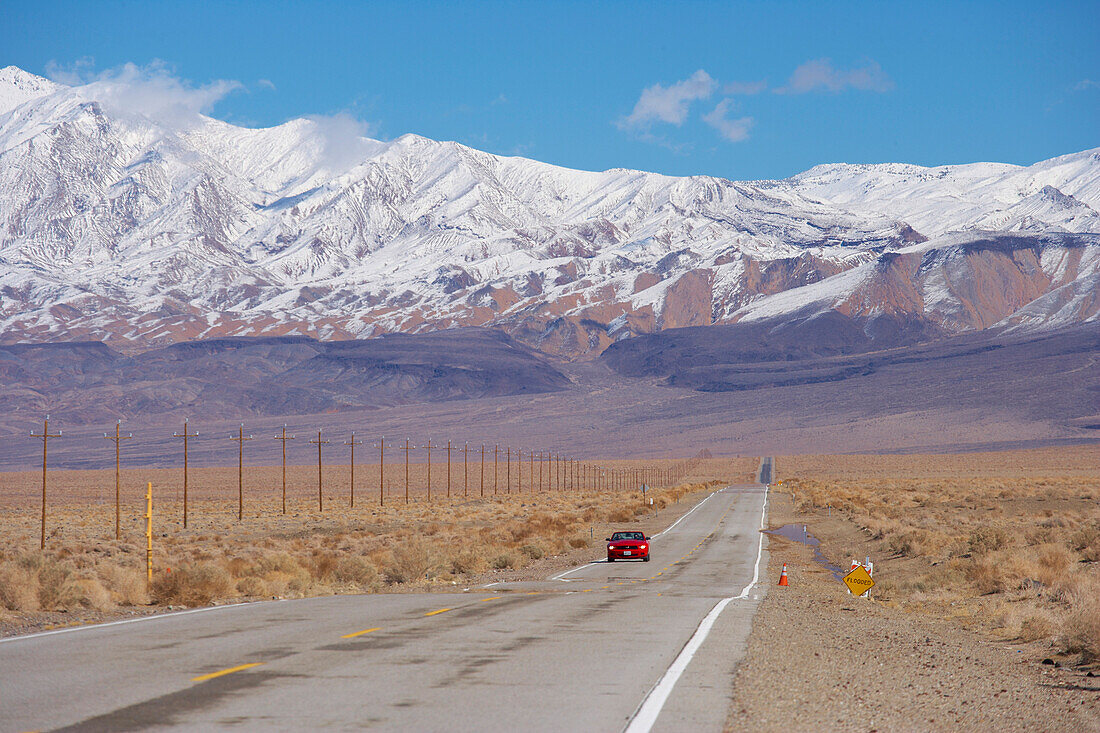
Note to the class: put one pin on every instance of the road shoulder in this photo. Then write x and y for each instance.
(820, 659)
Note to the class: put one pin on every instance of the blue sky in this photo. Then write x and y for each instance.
(740, 90)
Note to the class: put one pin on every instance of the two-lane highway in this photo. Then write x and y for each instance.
(593, 649)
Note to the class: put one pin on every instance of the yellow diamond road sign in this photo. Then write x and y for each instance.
(859, 581)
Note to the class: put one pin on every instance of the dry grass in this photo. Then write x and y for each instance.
(1010, 540)
(270, 555)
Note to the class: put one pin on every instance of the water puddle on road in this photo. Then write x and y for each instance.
(799, 533)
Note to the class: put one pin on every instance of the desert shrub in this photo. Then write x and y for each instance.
(468, 562)
(620, 515)
(89, 593)
(192, 585)
(989, 538)
(355, 570)
(578, 542)
(18, 588)
(411, 561)
(908, 543)
(503, 561)
(128, 586)
(1035, 626)
(251, 586)
(324, 566)
(1081, 628)
(532, 551)
(1054, 562)
(985, 575)
(1086, 541)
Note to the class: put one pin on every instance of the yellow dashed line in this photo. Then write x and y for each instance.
(360, 633)
(437, 611)
(231, 670)
(494, 598)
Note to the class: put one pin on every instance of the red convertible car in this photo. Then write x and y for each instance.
(627, 546)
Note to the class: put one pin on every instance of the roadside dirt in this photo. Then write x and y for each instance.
(820, 659)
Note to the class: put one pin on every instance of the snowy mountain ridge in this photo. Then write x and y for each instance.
(135, 226)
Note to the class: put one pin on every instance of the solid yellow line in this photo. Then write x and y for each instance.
(231, 670)
(491, 599)
(437, 611)
(360, 633)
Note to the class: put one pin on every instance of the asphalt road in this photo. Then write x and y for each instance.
(589, 650)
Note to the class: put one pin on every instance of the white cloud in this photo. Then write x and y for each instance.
(266, 84)
(669, 104)
(344, 139)
(820, 74)
(734, 130)
(1086, 84)
(744, 87)
(147, 91)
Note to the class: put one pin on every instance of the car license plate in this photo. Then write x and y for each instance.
(627, 552)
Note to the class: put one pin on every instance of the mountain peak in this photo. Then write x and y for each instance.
(18, 87)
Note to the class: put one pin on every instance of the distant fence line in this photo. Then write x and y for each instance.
(546, 470)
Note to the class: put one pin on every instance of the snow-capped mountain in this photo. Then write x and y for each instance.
(137, 225)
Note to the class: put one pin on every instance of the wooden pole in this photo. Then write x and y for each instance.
(496, 459)
(429, 446)
(185, 435)
(284, 437)
(320, 493)
(353, 442)
(406, 470)
(382, 471)
(448, 469)
(465, 470)
(45, 436)
(508, 472)
(483, 470)
(149, 532)
(240, 470)
(118, 438)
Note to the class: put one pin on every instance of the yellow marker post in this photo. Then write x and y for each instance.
(149, 531)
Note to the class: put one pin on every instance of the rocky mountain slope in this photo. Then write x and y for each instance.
(141, 226)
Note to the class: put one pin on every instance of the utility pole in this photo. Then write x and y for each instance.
(508, 472)
(185, 435)
(540, 470)
(284, 437)
(483, 470)
(382, 471)
(406, 470)
(118, 438)
(353, 442)
(240, 471)
(45, 436)
(429, 447)
(465, 470)
(519, 470)
(448, 469)
(496, 458)
(320, 495)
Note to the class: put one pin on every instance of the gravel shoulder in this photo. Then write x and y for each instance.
(820, 659)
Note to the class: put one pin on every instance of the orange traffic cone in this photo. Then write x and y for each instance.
(783, 576)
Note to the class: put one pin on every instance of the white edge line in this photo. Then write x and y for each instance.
(89, 627)
(561, 576)
(646, 715)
